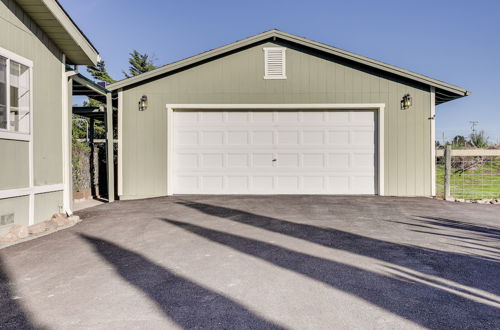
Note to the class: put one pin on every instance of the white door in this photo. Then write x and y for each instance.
(274, 152)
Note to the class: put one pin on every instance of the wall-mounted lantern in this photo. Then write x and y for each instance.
(143, 103)
(406, 102)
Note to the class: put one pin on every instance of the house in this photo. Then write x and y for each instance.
(40, 48)
(278, 114)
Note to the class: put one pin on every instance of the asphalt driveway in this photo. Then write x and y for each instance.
(232, 262)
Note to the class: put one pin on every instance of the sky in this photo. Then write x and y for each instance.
(451, 40)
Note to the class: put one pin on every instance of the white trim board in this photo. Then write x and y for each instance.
(379, 107)
(432, 120)
(19, 192)
(120, 142)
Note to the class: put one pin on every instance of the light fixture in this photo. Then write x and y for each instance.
(143, 103)
(406, 102)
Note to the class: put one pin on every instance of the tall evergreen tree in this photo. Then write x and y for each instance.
(139, 63)
(100, 73)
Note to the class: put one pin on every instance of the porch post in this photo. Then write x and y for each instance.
(92, 160)
(67, 126)
(110, 148)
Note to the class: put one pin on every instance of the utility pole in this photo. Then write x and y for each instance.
(473, 126)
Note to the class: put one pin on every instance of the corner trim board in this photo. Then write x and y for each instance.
(432, 120)
(120, 142)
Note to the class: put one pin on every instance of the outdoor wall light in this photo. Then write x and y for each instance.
(406, 102)
(143, 103)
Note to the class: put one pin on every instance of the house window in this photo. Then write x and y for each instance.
(274, 63)
(15, 94)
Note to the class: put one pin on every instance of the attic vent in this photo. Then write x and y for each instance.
(274, 63)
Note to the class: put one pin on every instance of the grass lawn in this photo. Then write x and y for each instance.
(483, 182)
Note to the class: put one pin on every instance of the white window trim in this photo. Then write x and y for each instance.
(266, 76)
(5, 133)
(378, 107)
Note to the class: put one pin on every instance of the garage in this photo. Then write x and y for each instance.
(277, 113)
(283, 151)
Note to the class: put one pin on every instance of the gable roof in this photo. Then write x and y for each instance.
(51, 17)
(444, 91)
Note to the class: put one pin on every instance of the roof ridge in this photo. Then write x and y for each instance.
(379, 65)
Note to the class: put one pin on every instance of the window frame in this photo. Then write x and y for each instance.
(283, 63)
(6, 133)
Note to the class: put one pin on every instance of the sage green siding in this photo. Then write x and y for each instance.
(18, 206)
(312, 77)
(47, 204)
(14, 164)
(20, 35)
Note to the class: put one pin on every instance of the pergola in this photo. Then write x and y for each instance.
(82, 86)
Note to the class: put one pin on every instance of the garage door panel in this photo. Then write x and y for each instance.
(238, 116)
(339, 137)
(338, 184)
(362, 185)
(237, 160)
(316, 137)
(313, 183)
(188, 160)
(313, 160)
(212, 138)
(336, 117)
(287, 117)
(313, 117)
(290, 183)
(187, 138)
(265, 138)
(212, 184)
(212, 161)
(365, 137)
(212, 117)
(262, 117)
(238, 138)
(274, 152)
(287, 137)
(262, 184)
(237, 184)
(339, 160)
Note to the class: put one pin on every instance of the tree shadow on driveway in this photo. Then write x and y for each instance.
(485, 231)
(480, 273)
(12, 314)
(426, 305)
(188, 304)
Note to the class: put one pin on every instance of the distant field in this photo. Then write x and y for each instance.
(483, 182)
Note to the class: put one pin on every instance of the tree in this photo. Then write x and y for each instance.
(139, 63)
(100, 73)
(479, 139)
(458, 141)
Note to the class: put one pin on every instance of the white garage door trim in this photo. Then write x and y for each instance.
(379, 107)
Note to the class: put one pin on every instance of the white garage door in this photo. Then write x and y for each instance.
(274, 152)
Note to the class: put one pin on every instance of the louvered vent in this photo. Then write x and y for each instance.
(274, 63)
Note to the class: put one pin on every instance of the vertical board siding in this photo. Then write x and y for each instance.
(47, 204)
(311, 78)
(17, 205)
(14, 164)
(20, 35)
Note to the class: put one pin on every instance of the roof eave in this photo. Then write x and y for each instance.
(51, 17)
